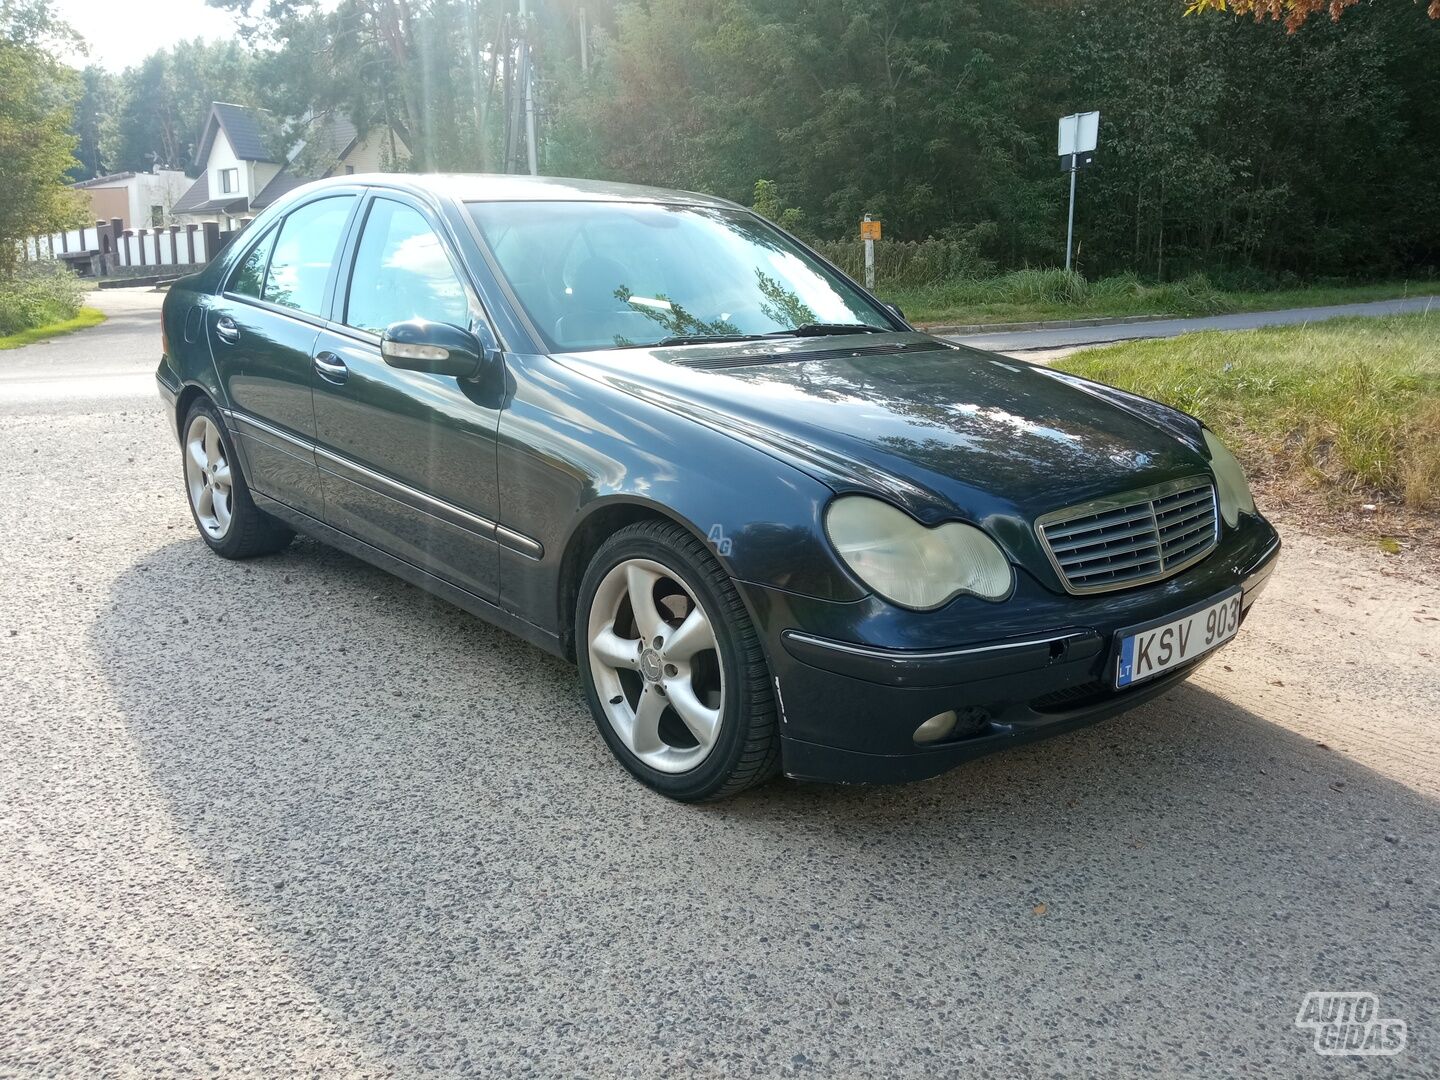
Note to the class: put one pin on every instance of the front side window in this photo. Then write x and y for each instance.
(600, 275)
(402, 272)
(304, 254)
(229, 181)
(249, 276)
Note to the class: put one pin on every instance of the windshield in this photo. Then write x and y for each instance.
(596, 275)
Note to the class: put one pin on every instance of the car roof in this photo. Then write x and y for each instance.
(499, 187)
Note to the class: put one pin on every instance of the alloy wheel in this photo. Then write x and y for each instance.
(207, 477)
(656, 665)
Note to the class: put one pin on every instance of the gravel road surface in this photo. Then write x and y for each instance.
(294, 816)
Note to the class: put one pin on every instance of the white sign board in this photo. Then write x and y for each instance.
(1079, 133)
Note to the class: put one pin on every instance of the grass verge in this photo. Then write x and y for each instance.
(1342, 412)
(1037, 295)
(86, 317)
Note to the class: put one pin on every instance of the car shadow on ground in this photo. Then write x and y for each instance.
(416, 807)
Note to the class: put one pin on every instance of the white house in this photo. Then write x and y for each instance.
(141, 200)
(242, 175)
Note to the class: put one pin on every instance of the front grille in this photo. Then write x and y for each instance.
(1134, 538)
(1094, 693)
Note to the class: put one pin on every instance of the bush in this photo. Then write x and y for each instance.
(40, 293)
(1193, 295)
(1060, 288)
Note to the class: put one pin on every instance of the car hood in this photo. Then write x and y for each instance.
(944, 431)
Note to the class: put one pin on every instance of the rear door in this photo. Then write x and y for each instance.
(262, 332)
(407, 459)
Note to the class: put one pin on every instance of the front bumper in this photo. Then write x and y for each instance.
(855, 680)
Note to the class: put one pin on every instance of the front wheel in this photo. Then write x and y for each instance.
(672, 666)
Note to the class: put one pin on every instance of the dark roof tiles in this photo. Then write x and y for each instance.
(244, 129)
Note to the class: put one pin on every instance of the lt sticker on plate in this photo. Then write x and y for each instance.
(1151, 650)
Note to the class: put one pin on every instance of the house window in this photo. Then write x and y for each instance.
(229, 181)
(349, 170)
(157, 216)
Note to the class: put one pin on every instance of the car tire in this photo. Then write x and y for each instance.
(225, 515)
(689, 707)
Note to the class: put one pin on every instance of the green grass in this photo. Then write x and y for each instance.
(1037, 295)
(86, 317)
(1344, 408)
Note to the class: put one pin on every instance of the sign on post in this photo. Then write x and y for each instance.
(1079, 135)
(869, 232)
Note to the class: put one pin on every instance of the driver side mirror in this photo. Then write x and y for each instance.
(439, 348)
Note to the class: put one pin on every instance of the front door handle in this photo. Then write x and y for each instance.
(226, 330)
(330, 367)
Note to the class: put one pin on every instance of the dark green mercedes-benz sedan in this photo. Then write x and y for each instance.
(776, 527)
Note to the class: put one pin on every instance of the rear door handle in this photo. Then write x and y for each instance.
(330, 367)
(226, 330)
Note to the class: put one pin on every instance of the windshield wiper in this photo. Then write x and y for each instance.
(821, 329)
(703, 339)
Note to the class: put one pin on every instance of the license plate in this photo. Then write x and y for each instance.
(1148, 651)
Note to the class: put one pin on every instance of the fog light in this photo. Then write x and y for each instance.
(936, 728)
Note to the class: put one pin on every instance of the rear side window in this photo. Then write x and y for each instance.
(249, 276)
(402, 272)
(304, 254)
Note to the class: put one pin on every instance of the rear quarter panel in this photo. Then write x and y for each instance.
(188, 355)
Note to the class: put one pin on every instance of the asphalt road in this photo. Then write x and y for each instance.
(294, 816)
(1074, 337)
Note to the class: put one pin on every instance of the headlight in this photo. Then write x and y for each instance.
(909, 564)
(1235, 496)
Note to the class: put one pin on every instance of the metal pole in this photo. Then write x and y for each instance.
(869, 260)
(584, 44)
(508, 64)
(529, 70)
(1070, 231)
(530, 113)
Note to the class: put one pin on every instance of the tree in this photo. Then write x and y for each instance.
(164, 101)
(36, 146)
(94, 123)
(427, 68)
(1293, 13)
(1249, 153)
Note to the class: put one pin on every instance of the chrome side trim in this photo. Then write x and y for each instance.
(339, 465)
(520, 543)
(876, 653)
(240, 421)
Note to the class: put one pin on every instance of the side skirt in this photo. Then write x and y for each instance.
(466, 601)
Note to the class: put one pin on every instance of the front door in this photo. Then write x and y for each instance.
(407, 459)
(262, 334)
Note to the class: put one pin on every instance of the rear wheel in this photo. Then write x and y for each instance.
(672, 666)
(220, 502)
